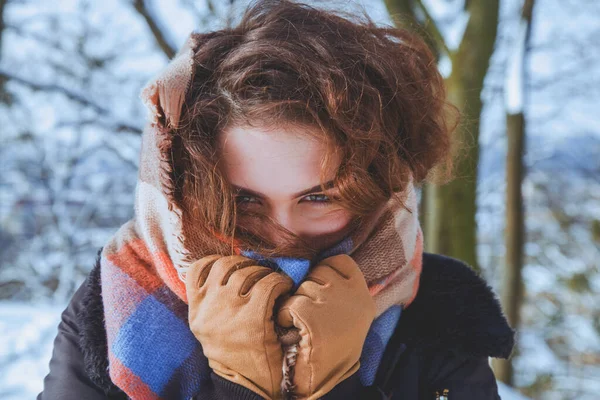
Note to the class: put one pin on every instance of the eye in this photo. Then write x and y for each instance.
(318, 199)
(243, 199)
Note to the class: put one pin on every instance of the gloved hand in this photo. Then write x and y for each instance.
(333, 311)
(231, 312)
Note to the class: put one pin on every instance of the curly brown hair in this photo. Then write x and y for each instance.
(374, 92)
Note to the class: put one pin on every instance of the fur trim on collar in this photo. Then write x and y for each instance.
(454, 309)
(92, 333)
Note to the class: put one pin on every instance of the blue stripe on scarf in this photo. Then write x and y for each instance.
(379, 335)
(186, 380)
(153, 343)
(295, 268)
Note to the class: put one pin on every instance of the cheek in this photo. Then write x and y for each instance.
(325, 231)
(320, 222)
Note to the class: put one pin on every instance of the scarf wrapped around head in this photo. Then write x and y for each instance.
(152, 352)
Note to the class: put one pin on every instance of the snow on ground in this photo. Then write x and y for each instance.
(507, 393)
(27, 333)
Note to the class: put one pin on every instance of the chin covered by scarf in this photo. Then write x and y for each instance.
(152, 352)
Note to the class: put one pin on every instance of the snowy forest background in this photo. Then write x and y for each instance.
(70, 124)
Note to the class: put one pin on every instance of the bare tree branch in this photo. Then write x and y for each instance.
(48, 41)
(159, 35)
(404, 14)
(2, 22)
(432, 28)
(71, 94)
(211, 7)
(4, 95)
(50, 87)
(113, 126)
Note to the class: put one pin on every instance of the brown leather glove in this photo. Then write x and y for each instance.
(231, 312)
(333, 311)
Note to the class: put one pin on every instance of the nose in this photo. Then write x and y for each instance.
(284, 218)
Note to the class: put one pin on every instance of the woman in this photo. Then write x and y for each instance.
(275, 250)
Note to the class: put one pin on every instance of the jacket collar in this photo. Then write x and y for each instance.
(454, 309)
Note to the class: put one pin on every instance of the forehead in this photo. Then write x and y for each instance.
(275, 161)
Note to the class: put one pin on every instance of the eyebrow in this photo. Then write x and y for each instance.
(316, 188)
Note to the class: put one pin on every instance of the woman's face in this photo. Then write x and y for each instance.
(276, 172)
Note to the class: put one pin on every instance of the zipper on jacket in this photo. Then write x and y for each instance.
(443, 395)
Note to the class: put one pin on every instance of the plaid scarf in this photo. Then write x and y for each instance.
(152, 353)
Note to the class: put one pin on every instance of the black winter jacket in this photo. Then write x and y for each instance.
(440, 346)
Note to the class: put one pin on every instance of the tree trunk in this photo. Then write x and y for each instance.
(451, 208)
(514, 234)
